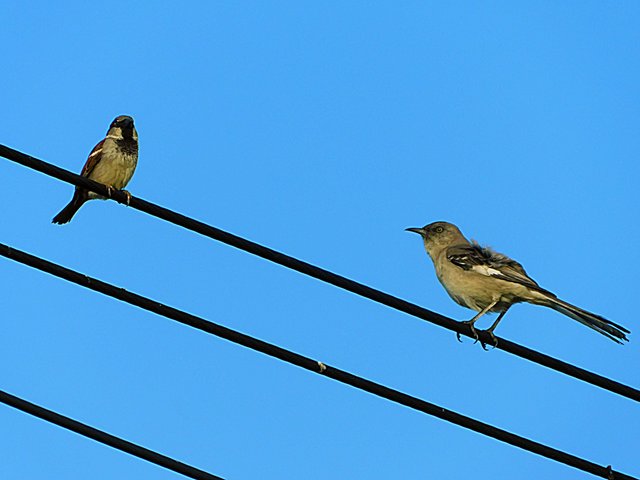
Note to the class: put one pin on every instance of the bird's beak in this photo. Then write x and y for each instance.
(419, 231)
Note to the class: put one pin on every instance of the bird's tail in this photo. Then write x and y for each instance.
(67, 213)
(600, 324)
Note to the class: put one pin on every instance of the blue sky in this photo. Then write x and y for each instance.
(321, 129)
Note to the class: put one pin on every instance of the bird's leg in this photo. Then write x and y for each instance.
(110, 190)
(493, 327)
(128, 195)
(475, 319)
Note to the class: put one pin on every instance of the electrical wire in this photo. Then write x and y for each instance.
(309, 364)
(321, 274)
(106, 438)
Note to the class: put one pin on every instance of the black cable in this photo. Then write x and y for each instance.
(322, 274)
(106, 438)
(308, 364)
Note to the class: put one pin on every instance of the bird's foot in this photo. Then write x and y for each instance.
(110, 190)
(128, 195)
(473, 331)
(493, 339)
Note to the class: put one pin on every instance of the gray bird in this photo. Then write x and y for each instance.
(111, 162)
(478, 278)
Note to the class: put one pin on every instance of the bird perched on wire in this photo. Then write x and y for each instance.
(111, 162)
(486, 281)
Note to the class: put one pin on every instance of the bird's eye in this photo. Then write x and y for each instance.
(439, 229)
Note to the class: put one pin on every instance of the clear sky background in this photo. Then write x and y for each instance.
(321, 129)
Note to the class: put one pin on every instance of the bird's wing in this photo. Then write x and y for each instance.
(485, 261)
(92, 161)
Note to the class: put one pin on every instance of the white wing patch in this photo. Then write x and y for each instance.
(487, 271)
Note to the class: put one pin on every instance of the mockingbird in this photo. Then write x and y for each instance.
(486, 281)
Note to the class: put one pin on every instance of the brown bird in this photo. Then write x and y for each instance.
(486, 281)
(111, 162)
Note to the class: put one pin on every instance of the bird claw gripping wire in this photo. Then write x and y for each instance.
(473, 331)
(321, 367)
(476, 336)
(493, 339)
(128, 195)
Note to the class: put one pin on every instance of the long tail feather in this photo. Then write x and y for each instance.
(600, 324)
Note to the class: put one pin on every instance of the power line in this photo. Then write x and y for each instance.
(106, 438)
(309, 364)
(322, 274)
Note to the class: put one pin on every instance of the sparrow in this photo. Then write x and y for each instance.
(483, 280)
(111, 162)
